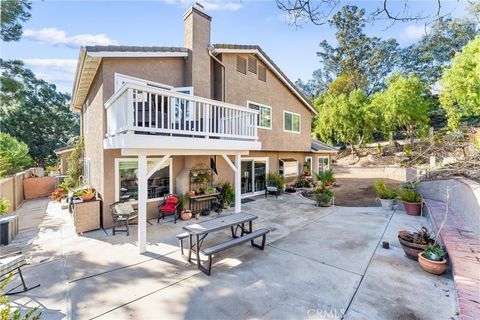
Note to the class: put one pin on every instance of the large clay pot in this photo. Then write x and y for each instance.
(431, 266)
(186, 215)
(412, 208)
(387, 204)
(411, 249)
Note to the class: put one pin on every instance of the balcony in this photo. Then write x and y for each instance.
(141, 116)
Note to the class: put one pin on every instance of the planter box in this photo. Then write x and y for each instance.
(8, 228)
(86, 216)
(38, 187)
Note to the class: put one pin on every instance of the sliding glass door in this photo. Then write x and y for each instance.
(254, 175)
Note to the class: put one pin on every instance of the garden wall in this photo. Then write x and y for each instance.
(394, 173)
(464, 195)
(11, 188)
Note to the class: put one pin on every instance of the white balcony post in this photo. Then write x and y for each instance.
(142, 203)
(207, 120)
(130, 109)
(238, 185)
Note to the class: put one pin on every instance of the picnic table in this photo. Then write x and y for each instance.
(201, 230)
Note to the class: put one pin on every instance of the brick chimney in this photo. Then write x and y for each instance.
(196, 37)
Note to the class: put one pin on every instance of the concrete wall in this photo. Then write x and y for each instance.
(240, 87)
(11, 188)
(464, 197)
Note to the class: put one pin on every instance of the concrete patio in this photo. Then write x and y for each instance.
(320, 263)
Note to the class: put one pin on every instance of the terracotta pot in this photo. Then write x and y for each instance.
(411, 249)
(412, 208)
(87, 197)
(186, 215)
(434, 267)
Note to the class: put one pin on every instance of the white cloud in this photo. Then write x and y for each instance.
(58, 37)
(57, 71)
(213, 5)
(411, 34)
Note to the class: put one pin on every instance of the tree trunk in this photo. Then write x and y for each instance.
(353, 151)
(41, 163)
(410, 133)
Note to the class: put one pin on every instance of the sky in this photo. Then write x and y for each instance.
(52, 37)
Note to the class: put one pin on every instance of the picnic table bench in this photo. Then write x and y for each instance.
(235, 222)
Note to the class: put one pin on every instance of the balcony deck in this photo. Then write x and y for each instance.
(146, 117)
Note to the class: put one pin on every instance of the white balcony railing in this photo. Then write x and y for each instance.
(148, 110)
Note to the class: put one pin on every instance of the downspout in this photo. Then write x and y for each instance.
(210, 49)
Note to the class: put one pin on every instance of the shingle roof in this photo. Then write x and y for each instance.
(134, 49)
(318, 146)
(277, 68)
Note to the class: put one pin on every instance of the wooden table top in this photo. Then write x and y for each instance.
(219, 223)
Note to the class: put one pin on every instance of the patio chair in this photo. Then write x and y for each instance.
(122, 214)
(273, 190)
(12, 263)
(169, 206)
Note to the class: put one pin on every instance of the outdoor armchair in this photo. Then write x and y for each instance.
(169, 206)
(122, 214)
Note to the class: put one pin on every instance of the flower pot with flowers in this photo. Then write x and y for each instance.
(86, 193)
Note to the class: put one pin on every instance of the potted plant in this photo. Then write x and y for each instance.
(412, 202)
(386, 195)
(275, 180)
(433, 259)
(329, 178)
(227, 194)
(185, 214)
(323, 197)
(86, 193)
(414, 243)
(191, 193)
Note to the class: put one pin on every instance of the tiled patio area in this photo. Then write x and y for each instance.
(320, 263)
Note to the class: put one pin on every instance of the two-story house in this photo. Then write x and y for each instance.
(150, 114)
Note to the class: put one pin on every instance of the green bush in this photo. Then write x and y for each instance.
(410, 195)
(274, 179)
(434, 252)
(227, 194)
(383, 191)
(4, 206)
(75, 166)
(14, 156)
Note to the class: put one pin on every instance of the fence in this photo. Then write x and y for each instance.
(11, 188)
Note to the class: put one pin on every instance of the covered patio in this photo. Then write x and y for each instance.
(320, 263)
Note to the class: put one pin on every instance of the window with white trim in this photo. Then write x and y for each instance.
(264, 119)
(126, 179)
(291, 122)
(323, 164)
(308, 166)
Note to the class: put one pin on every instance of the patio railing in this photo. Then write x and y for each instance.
(148, 110)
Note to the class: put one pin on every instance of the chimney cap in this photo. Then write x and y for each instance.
(197, 8)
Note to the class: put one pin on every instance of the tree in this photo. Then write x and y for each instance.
(313, 87)
(14, 155)
(75, 165)
(434, 50)
(34, 112)
(369, 60)
(460, 95)
(344, 118)
(404, 105)
(13, 13)
(318, 12)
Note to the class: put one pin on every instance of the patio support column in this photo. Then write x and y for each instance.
(142, 203)
(238, 193)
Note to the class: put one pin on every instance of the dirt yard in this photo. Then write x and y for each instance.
(352, 192)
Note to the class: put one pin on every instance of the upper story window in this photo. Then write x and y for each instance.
(291, 122)
(241, 65)
(262, 73)
(264, 119)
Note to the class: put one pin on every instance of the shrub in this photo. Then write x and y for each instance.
(227, 194)
(434, 252)
(408, 151)
(274, 179)
(409, 195)
(14, 156)
(4, 206)
(326, 177)
(75, 166)
(383, 191)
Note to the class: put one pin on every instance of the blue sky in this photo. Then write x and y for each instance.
(52, 37)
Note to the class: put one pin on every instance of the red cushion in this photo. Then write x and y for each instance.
(172, 200)
(168, 207)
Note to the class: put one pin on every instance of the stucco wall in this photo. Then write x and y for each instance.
(240, 87)
(169, 71)
(11, 188)
(464, 197)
